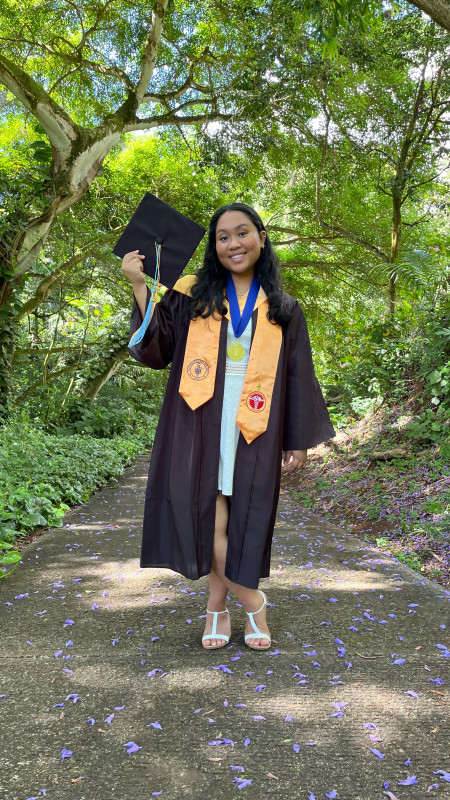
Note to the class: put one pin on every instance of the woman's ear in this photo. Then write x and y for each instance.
(262, 239)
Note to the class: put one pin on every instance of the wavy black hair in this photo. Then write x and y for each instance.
(208, 291)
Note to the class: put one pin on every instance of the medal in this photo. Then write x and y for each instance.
(236, 351)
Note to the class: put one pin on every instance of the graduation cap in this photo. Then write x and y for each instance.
(166, 238)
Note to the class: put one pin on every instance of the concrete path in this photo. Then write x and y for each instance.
(106, 692)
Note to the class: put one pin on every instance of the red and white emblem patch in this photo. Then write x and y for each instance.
(256, 401)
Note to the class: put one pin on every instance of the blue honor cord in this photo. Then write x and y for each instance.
(140, 333)
(238, 321)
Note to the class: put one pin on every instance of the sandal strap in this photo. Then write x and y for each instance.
(257, 635)
(218, 612)
(214, 634)
(250, 615)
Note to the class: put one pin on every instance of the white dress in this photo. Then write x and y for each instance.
(229, 434)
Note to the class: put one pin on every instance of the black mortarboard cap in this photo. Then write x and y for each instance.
(156, 222)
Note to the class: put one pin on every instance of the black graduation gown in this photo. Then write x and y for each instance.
(181, 492)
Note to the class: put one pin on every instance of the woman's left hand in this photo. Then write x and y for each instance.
(294, 459)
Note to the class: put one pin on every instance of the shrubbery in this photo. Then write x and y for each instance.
(402, 361)
(42, 474)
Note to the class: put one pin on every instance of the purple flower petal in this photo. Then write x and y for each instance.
(132, 747)
(110, 718)
(260, 687)
(444, 775)
(155, 725)
(73, 697)
(246, 742)
(296, 748)
(224, 668)
(411, 694)
(243, 782)
(237, 769)
(65, 753)
(409, 781)
(376, 752)
(331, 794)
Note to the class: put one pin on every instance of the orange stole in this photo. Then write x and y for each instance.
(200, 364)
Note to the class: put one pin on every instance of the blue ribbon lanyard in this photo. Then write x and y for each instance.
(140, 333)
(238, 321)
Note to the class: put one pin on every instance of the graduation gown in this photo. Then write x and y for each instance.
(181, 494)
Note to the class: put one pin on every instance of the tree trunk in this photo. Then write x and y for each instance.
(95, 386)
(396, 235)
(438, 10)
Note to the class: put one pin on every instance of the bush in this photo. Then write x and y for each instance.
(42, 474)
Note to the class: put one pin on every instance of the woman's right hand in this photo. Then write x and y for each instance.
(133, 268)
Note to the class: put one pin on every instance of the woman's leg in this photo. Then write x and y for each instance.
(220, 585)
(218, 588)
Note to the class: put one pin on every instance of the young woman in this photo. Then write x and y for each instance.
(241, 390)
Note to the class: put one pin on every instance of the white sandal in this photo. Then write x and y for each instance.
(257, 633)
(214, 634)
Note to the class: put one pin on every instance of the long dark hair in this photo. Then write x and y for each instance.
(207, 293)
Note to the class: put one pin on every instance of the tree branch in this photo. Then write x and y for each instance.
(171, 119)
(58, 125)
(150, 51)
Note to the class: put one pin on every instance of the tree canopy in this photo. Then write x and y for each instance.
(332, 118)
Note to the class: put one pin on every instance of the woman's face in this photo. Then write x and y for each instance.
(238, 242)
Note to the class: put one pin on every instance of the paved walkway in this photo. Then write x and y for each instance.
(110, 695)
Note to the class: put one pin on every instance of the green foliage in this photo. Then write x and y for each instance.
(41, 475)
(8, 557)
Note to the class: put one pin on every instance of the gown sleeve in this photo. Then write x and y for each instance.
(306, 420)
(170, 315)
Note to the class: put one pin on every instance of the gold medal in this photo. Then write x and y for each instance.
(236, 352)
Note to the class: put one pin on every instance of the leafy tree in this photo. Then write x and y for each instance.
(87, 73)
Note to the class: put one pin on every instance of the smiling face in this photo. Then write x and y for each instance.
(238, 243)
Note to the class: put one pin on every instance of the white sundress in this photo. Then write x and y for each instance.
(235, 372)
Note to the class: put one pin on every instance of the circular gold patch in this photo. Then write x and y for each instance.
(236, 351)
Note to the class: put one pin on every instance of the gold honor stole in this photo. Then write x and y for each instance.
(198, 375)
